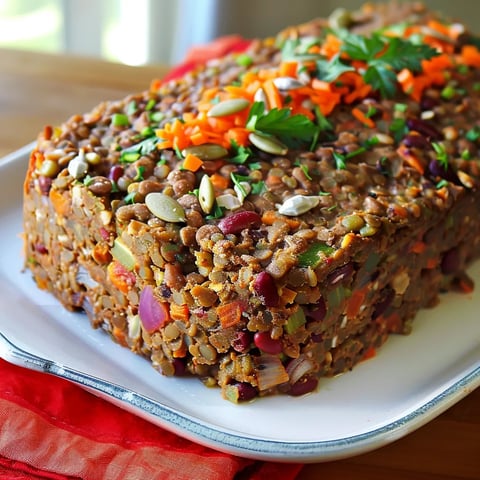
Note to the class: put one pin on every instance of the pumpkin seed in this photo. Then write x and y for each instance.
(206, 194)
(287, 83)
(298, 204)
(242, 190)
(340, 18)
(260, 96)
(268, 144)
(164, 207)
(207, 151)
(228, 107)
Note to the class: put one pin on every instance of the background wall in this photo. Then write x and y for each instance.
(161, 31)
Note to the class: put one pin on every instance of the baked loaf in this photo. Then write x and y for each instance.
(272, 216)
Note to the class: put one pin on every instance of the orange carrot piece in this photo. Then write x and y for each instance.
(120, 277)
(192, 163)
(219, 182)
(418, 247)
(274, 99)
(288, 69)
(361, 117)
(355, 302)
(239, 135)
(411, 159)
(470, 56)
(370, 352)
(179, 312)
(59, 202)
(230, 313)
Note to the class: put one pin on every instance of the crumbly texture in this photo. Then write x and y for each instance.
(253, 298)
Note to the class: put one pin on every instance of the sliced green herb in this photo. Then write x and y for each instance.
(442, 183)
(139, 174)
(255, 166)
(240, 153)
(295, 321)
(134, 152)
(399, 128)
(217, 212)
(244, 60)
(150, 104)
(281, 123)
(441, 154)
(466, 155)
(258, 188)
(473, 134)
(130, 198)
(305, 171)
(339, 161)
(131, 107)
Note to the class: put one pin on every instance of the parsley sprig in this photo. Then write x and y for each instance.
(383, 56)
(279, 122)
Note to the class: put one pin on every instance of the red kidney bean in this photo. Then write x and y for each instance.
(179, 366)
(428, 103)
(245, 391)
(241, 341)
(44, 184)
(267, 344)
(266, 289)
(416, 141)
(115, 173)
(41, 248)
(238, 221)
(450, 261)
(421, 126)
(305, 385)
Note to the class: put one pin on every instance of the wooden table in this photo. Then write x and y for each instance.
(38, 89)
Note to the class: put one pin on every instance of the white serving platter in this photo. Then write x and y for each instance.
(411, 380)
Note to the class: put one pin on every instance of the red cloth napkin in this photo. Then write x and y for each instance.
(53, 429)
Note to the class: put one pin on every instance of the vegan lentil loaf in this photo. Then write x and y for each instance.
(274, 215)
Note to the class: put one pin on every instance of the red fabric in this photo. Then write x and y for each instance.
(52, 429)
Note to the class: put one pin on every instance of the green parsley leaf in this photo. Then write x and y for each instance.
(217, 212)
(441, 154)
(339, 161)
(134, 152)
(329, 71)
(442, 183)
(473, 134)
(258, 188)
(281, 123)
(240, 153)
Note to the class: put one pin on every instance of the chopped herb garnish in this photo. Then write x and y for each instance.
(156, 117)
(279, 122)
(339, 161)
(217, 212)
(448, 92)
(134, 152)
(400, 107)
(476, 86)
(330, 70)
(385, 56)
(150, 104)
(258, 188)
(305, 171)
(88, 179)
(371, 111)
(237, 181)
(441, 154)
(399, 128)
(473, 134)
(466, 155)
(442, 183)
(371, 142)
(130, 198)
(240, 153)
(139, 175)
(254, 166)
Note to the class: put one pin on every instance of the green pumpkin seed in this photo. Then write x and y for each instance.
(340, 18)
(228, 107)
(298, 204)
(206, 194)
(268, 144)
(207, 151)
(164, 207)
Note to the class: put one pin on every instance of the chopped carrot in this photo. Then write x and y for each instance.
(411, 159)
(119, 335)
(192, 163)
(219, 182)
(274, 99)
(355, 302)
(179, 312)
(239, 135)
(370, 352)
(60, 202)
(230, 313)
(270, 216)
(470, 56)
(432, 263)
(288, 69)
(361, 117)
(418, 247)
(287, 295)
(120, 277)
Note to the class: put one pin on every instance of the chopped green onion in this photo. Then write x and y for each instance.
(119, 120)
(315, 254)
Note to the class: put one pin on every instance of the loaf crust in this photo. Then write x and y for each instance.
(257, 298)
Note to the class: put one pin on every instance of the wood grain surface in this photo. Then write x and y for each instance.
(40, 89)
